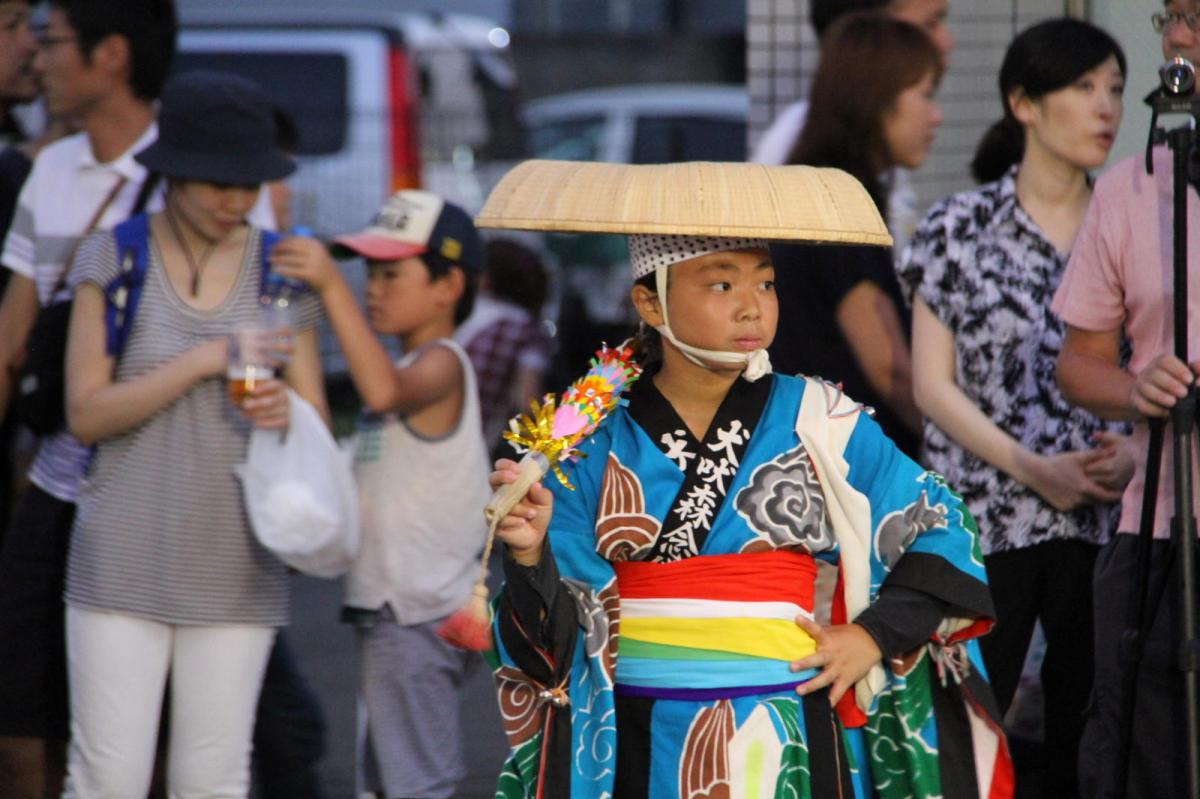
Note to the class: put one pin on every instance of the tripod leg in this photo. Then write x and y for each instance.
(1137, 623)
(1183, 534)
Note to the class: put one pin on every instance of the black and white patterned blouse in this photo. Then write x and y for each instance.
(988, 273)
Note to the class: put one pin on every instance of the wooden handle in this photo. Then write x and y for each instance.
(532, 468)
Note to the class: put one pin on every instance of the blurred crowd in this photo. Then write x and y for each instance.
(1006, 341)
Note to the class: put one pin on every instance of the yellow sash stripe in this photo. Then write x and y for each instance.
(766, 638)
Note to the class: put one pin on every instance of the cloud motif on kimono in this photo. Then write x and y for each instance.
(784, 504)
(600, 617)
(595, 739)
(520, 711)
(898, 529)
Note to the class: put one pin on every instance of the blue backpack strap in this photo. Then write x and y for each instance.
(124, 292)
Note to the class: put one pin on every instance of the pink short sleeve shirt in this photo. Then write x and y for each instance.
(1119, 275)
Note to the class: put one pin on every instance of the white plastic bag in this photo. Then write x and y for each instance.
(300, 494)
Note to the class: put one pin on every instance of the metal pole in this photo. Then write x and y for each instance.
(1183, 418)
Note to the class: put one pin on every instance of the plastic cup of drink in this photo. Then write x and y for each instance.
(250, 363)
(242, 381)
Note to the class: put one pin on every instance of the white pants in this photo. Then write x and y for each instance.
(117, 668)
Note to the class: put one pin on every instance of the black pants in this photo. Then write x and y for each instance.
(1159, 758)
(289, 730)
(8, 474)
(33, 664)
(1050, 582)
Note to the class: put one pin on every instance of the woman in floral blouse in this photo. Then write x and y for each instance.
(981, 270)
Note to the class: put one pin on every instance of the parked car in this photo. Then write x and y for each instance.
(644, 124)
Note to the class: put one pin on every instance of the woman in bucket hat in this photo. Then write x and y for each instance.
(165, 577)
(670, 627)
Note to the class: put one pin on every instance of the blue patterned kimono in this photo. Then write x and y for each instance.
(787, 464)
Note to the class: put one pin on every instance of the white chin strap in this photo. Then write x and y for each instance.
(756, 363)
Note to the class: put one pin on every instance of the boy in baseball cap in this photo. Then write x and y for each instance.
(417, 223)
(422, 471)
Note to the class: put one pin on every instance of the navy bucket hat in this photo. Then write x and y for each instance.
(217, 128)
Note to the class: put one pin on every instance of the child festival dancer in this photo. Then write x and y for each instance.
(421, 468)
(658, 633)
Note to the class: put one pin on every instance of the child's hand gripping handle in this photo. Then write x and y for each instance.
(532, 468)
(470, 626)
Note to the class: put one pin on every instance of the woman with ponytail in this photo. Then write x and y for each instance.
(981, 271)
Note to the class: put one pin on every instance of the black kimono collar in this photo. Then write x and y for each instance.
(708, 466)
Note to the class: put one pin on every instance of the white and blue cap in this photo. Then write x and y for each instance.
(414, 223)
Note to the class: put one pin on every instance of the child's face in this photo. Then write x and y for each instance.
(724, 301)
(401, 295)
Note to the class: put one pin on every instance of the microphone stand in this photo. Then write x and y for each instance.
(1144, 604)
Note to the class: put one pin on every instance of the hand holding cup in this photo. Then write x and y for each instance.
(254, 358)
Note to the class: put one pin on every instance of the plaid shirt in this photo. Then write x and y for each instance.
(501, 338)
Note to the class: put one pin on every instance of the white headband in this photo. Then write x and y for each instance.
(652, 253)
(649, 252)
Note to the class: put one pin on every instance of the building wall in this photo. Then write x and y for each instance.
(781, 56)
(1129, 22)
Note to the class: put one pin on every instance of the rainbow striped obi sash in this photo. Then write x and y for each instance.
(713, 626)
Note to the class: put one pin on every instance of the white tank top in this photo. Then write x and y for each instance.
(421, 502)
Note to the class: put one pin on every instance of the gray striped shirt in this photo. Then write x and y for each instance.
(161, 531)
(64, 190)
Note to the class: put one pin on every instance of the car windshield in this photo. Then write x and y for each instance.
(669, 139)
(569, 140)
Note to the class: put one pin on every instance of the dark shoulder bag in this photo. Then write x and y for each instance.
(39, 400)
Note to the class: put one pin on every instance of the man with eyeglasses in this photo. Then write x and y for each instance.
(1118, 284)
(102, 62)
(1163, 21)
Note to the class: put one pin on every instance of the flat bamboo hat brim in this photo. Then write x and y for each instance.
(778, 203)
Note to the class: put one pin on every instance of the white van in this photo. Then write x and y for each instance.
(382, 100)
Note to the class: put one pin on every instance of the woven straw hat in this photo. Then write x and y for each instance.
(780, 203)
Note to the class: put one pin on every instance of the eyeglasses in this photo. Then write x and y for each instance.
(46, 42)
(17, 21)
(1163, 22)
